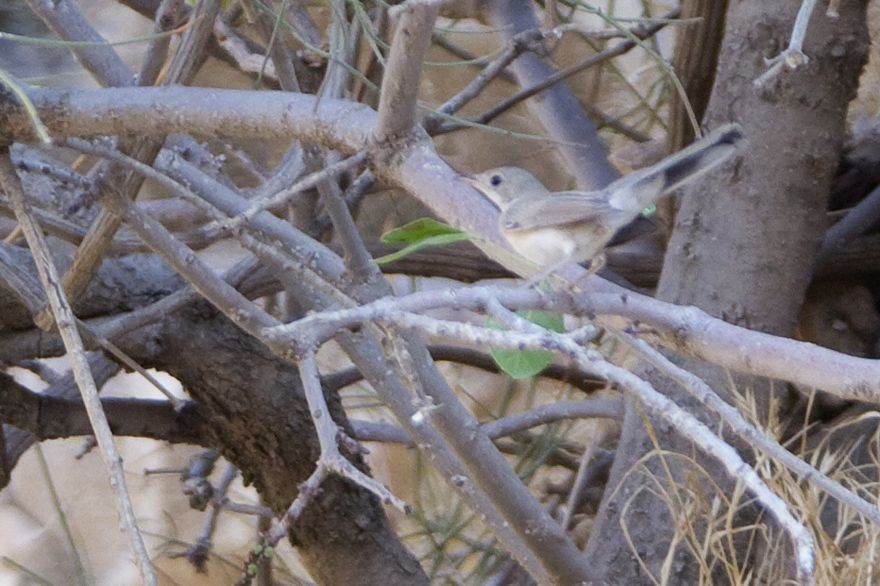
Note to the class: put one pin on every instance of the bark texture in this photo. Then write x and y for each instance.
(695, 59)
(260, 421)
(742, 250)
(252, 409)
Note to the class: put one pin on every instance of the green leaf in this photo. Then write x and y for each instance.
(549, 321)
(418, 230)
(519, 364)
(420, 234)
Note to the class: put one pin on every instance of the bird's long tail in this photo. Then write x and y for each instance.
(641, 188)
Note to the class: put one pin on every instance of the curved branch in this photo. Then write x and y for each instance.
(419, 170)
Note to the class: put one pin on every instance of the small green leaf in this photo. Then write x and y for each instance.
(420, 234)
(549, 321)
(519, 364)
(418, 230)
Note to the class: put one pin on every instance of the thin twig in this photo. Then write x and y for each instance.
(658, 405)
(66, 322)
(609, 53)
(284, 196)
(331, 460)
(524, 41)
(470, 59)
(793, 56)
(504, 426)
(582, 477)
(237, 49)
(233, 304)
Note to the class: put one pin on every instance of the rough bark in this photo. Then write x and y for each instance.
(260, 421)
(252, 409)
(743, 244)
(694, 62)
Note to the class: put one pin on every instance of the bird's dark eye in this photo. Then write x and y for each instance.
(495, 180)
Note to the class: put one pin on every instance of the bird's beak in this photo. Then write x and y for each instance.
(472, 181)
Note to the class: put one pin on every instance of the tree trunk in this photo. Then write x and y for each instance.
(251, 408)
(742, 250)
(261, 423)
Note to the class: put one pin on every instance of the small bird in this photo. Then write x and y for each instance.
(551, 229)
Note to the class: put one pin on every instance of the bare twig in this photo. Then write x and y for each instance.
(67, 327)
(524, 41)
(126, 360)
(582, 478)
(590, 408)
(542, 415)
(331, 460)
(658, 405)
(398, 100)
(234, 305)
(191, 52)
(284, 196)
(793, 56)
(357, 257)
(282, 59)
(470, 59)
(643, 32)
(239, 52)
(698, 389)
(66, 21)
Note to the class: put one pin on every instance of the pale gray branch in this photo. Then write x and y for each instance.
(398, 100)
(66, 322)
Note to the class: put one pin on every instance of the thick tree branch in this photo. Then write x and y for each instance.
(347, 126)
(398, 99)
(51, 417)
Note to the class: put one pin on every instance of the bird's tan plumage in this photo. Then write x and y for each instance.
(550, 229)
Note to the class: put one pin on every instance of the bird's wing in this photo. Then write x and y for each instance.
(556, 210)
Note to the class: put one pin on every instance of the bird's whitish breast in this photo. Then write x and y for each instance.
(543, 247)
